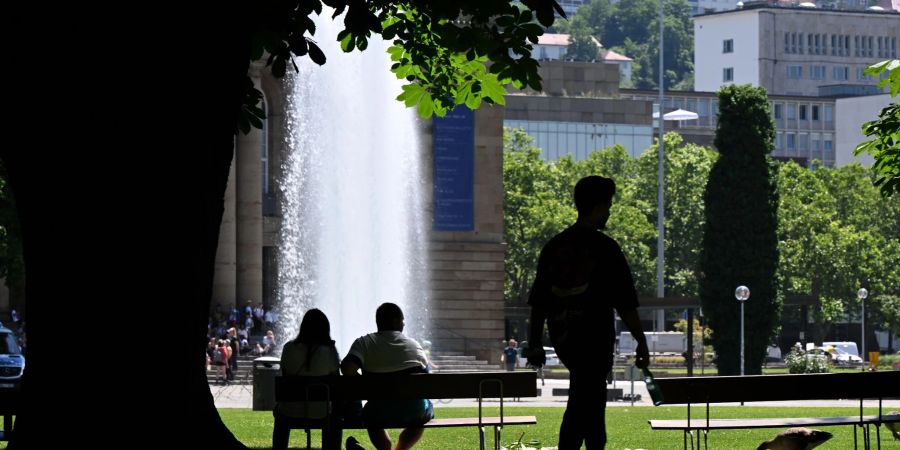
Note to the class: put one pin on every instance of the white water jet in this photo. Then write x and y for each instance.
(353, 229)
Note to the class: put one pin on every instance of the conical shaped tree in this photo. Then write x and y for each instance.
(739, 240)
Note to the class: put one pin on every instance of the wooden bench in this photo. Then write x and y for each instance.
(758, 388)
(474, 385)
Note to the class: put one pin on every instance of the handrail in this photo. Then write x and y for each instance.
(465, 339)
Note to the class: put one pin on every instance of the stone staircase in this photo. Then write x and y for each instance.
(450, 362)
(244, 374)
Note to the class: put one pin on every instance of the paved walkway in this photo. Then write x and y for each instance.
(241, 396)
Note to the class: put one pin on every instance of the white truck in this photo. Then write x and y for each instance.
(659, 342)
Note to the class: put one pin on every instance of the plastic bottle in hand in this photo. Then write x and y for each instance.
(653, 388)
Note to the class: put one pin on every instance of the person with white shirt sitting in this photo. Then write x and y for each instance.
(389, 351)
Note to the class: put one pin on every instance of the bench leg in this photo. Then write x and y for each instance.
(855, 445)
(481, 445)
(878, 435)
(308, 440)
(7, 426)
(705, 440)
(497, 437)
(688, 432)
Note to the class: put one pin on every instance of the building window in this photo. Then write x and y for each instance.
(777, 111)
(791, 111)
(728, 74)
(803, 141)
(795, 72)
(728, 46)
(893, 47)
(778, 141)
(855, 45)
(809, 44)
(787, 43)
(793, 42)
(791, 142)
(833, 44)
(841, 73)
(816, 72)
(846, 45)
(802, 112)
(815, 113)
(861, 75)
(880, 51)
(869, 47)
(800, 43)
(829, 113)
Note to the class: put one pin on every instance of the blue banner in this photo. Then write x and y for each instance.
(454, 170)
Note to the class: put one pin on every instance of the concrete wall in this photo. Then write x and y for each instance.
(572, 109)
(577, 79)
(850, 114)
(709, 60)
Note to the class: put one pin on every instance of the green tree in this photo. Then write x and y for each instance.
(829, 245)
(538, 205)
(886, 131)
(533, 211)
(686, 169)
(812, 243)
(581, 41)
(632, 28)
(739, 241)
(628, 224)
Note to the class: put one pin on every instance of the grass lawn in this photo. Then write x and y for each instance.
(627, 428)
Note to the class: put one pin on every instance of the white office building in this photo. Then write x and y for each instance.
(799, 51)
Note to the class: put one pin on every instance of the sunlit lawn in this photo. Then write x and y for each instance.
(627, 428)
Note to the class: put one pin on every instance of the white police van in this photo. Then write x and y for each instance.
(12, 362)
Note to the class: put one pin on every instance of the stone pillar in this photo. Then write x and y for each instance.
(467, 267)
(249, 218)
(224, 282)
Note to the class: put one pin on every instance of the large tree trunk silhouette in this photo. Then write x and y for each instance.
(134, 239)
(215, 166)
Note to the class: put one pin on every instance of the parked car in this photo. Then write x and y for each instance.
(842, 357)
(819, 353)
(12, 362)
(845, 348)
(550, 352)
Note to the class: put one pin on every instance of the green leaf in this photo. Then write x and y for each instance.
(426, 106)
(473, 101)
(411, 94)
(347, 42)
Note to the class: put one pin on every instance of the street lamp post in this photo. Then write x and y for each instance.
(742, 294)
(660, 213)
(862, 293)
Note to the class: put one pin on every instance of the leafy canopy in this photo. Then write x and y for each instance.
(442, 49)
(885, 146)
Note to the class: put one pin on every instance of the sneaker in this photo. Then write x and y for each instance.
(353, 444)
